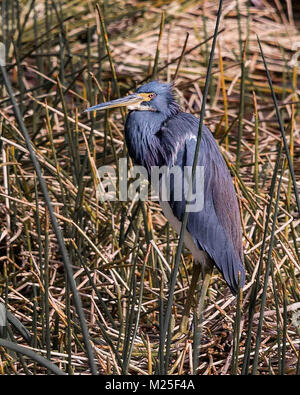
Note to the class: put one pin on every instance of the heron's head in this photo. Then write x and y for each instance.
(154, 96)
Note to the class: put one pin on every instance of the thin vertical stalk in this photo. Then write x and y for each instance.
(284, 331)
(225, 102)
(287, 151)
(266, 279)
(46, 285)
(292, 128)
(256, 171)
(236, 334)
(241, 109)
(108, 50)
(181, 57)
(277, 315)
(156, 59)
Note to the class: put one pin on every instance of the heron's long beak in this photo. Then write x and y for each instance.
(125, 101)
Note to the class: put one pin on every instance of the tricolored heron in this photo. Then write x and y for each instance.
(158, 133)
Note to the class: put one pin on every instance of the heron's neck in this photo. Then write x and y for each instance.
(143, 139)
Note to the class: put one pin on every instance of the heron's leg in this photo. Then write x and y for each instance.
(190, 296)
(198, 316)
(202, 263)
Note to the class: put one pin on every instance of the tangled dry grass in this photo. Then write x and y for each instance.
(122, 252)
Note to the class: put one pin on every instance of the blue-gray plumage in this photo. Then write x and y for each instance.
(158, 133)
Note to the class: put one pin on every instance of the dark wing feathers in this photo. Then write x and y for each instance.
(217, 228)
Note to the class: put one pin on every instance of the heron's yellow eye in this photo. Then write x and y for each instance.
(147, 96)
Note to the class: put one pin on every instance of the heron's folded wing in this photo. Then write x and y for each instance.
(217, 227)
